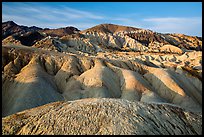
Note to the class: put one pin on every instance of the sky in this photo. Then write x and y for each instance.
(163, 17)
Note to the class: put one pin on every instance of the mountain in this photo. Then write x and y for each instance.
(60, 31)
(110, 28)
(11, 28)
(104, 37)
(14, 32)
(147, 37)
(122, 80)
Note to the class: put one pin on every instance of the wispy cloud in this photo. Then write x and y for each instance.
(46, 16)
(80, 13)
(61, 16)
(175, 25)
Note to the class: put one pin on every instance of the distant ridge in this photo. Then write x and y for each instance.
(110, 28)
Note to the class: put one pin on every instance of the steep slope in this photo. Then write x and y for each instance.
(76, 76)
(31, 86)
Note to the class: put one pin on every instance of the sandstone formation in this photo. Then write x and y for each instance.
(117, 65)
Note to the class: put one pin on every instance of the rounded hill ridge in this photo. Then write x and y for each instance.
(108, 79)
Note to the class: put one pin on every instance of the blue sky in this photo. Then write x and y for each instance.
(164, 17)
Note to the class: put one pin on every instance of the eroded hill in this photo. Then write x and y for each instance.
(106, 61)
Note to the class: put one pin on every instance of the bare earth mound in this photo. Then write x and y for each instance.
(103, 116)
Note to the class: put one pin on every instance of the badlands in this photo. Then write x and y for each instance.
(108, 79)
